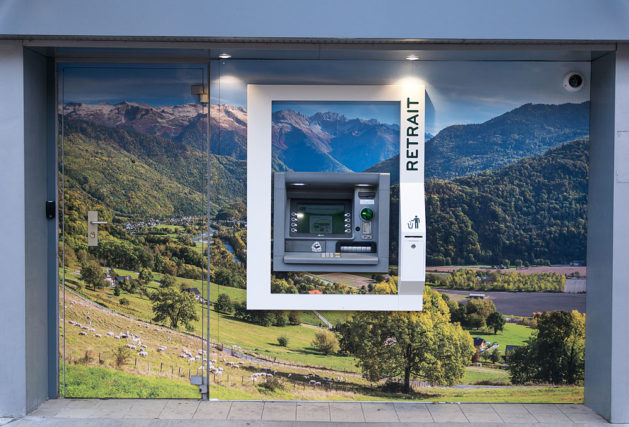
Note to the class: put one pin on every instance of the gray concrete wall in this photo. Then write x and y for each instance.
(600, 257)
(24, 262)
(444, 19)
(13, 248)
(607, 345)
(36, 128)
(620, 290)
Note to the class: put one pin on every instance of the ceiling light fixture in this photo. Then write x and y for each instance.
(412, 57)
(224, 55)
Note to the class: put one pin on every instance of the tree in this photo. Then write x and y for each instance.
(495, 356)
(224, 304)
(294, 318)
(282, 341)
(475, 313)
(93, 275)
(167, 281)
(121, 354)
(496, 321)
(145, 276)
(555, 354)
(174, 305)
(279, 318)
(325, 342)
(117, 291)
(410, 344)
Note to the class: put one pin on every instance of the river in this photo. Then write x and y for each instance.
(203, 239)
(231, 250)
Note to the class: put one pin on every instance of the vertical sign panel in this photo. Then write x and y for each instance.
(412, 268)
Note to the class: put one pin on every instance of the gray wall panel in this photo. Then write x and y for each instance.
(35, 189)
(600, 237)
(12, 249)
(446, 19)
(620, 292)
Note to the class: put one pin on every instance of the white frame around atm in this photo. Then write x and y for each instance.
(259, 185)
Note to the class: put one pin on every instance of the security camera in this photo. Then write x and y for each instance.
(573, 81)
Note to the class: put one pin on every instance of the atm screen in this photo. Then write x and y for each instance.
(320, 218)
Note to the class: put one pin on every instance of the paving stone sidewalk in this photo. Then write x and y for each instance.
(136, 412)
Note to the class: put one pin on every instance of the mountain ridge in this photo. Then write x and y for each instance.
(530, 129)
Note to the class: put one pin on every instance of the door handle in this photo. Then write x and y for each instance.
(92, 228)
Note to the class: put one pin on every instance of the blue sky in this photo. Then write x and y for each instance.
(146, 84)
(384, 112)
(458, 92)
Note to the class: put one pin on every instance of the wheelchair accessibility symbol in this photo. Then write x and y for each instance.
(413, 223)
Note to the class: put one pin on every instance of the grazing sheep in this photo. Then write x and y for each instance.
(143, 353)
(117, 337)
(131, 346)
(111, 334)
(82, 333)
(192, 359)
(93, 329)
(85, 327)
(97, 335)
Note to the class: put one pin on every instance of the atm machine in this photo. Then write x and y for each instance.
(331, 222)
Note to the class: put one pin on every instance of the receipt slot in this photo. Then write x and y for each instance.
(331, 222)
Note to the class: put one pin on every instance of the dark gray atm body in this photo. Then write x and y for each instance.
(333, 222)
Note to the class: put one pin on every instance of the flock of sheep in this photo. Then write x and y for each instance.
(136, 345)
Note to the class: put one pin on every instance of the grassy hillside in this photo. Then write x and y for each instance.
(227, 329)
(144, 175)
(92, 381)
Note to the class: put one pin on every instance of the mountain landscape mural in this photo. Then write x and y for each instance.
(506, 186)
(512, 188)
